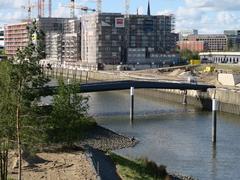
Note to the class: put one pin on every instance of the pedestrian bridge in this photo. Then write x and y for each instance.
(124, 85)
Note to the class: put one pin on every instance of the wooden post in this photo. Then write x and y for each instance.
(131, 105)
(81, 76)
(214, 120)
(86, 77)
(185, 97)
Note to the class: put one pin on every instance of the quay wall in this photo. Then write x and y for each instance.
(228, 100)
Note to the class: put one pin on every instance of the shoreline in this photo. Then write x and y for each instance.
(89, 161)
(101, 140)
(106, 140)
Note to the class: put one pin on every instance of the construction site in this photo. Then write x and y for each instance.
(98, 39)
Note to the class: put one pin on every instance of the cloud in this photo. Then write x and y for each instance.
(140, 10)
(208, 16)
(219, 5)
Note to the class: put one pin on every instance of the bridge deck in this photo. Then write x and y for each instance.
(123, 85)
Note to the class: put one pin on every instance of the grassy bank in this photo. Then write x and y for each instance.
(138, 169)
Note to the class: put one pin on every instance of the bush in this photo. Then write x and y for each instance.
(154, 169)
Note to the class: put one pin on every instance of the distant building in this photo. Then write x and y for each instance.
(1, 38)
(99, 39)
(196, 46)
(233, 39)
(220, 57)
(183, 34)
(62, 38)
(214, 42)
(15, 37)
(111, 38)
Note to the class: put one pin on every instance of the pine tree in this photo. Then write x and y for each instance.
(69, 119)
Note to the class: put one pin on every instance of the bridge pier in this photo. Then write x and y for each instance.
(131, 106)
(214, 120)
(184, 97)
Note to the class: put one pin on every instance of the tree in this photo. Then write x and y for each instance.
(69, 118)
(26, 78)
(7, 132)
(187, 54)
(2, 52)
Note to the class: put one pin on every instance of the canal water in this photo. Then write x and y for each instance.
(172, 134)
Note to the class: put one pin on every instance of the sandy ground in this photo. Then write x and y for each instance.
(74, 165)
(58, 166)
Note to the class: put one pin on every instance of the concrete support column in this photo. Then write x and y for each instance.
(214, 120)
(131, 105)
(184, 97)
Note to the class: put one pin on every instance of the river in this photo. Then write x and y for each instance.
(172, 134)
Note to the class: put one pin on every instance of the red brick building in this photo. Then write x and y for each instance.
(196, 46)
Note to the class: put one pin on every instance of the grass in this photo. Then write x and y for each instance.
(138, 169)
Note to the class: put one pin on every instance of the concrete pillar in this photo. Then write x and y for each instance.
(184, 97)
(214, 120)
(131, 105)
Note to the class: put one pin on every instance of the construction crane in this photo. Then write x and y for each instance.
(74, 6)
(29, 9)
(98, 5)
(41, 8)
(50, 8)
(127, 7)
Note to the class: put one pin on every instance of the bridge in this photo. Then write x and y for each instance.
(127, 84)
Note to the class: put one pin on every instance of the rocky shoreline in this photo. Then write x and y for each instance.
(106, 140)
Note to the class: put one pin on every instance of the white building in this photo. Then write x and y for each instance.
(183, 34)
(1, 37)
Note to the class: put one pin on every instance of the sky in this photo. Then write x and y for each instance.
(208, 16)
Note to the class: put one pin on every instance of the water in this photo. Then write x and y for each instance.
(173, 135)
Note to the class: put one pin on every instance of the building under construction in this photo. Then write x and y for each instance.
(111, 38)
(103, 38)
(62, 39)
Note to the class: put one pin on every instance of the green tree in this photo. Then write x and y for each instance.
(69, 118)
(7, 132)
(26, 78)
(2, 52)
(187, 54)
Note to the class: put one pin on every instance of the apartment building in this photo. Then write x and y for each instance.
(112, 38)
(214, 42)
(15, 37)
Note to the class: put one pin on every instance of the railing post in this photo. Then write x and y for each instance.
(131, 105)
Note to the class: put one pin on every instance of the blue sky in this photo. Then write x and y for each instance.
(208, 16)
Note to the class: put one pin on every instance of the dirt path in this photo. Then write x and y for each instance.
(58, 166)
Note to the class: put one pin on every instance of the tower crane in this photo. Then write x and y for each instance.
(41, 8)
(74, 6)
(98, 5)
(29, 9)
(50, 8)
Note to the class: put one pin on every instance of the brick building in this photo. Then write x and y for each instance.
(196, 46)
